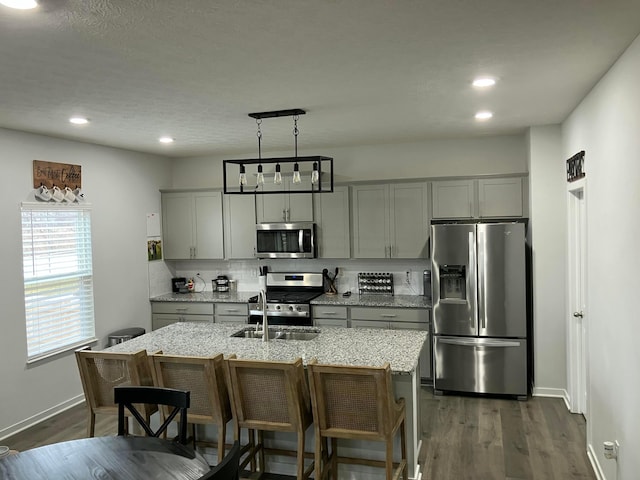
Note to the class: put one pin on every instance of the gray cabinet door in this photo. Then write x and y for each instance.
(370, 221)
(177, 225)
(453, 199)
(207, 226)
(500, 197)
(332, 218)
(409, 222)
(284, 207)
(240, 226)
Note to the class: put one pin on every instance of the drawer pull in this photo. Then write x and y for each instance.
(388, 315)
(182, 309)
(328, 313)
(232, 310)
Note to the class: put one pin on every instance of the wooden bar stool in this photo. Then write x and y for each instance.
(355, 403)
(101, 371)
(271, 396)
(204, 377)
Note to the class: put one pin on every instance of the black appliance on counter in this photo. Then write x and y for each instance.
(289, 298)
(179, 285)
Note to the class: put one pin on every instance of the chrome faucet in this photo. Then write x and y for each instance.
(265, 324)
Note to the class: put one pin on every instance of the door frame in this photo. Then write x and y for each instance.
(577, 327)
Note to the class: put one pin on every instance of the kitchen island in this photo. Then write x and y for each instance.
(333, 345)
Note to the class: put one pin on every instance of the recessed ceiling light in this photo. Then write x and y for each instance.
(79, 120)
(165, 140)
(483, 82)
(484, 115)
(20, 4)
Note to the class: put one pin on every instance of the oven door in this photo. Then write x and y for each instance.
(286, 240)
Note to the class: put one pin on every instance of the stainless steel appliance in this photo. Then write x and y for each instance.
(289, 298)
(222, 283)
(479, 308)
(286, 240)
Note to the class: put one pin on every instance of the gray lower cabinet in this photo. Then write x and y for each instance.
(329, 316)
(231, 312)
(397, 319)
(166, 313)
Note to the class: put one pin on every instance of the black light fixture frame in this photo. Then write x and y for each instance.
(254, 189)
(325, 165)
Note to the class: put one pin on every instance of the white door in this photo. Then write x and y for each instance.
(577, 306)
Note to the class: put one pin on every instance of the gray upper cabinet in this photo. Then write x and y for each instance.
(285, 207)
(500, 197)
(478, 198)
(192, 225)
(331, 213)
(453, 199)
(390, 220)
(239, 226)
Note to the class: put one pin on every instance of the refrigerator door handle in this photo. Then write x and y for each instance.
(469, 342)
(472, 279)
(482, 273)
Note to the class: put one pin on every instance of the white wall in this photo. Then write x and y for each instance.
(433, 158)
(122, 187)
(606, 125)
(547, 230)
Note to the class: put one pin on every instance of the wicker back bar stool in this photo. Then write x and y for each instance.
(204, 377)
(102, 371)
(355, 403)
(270, 396)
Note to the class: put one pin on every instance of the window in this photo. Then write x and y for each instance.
(58, 278)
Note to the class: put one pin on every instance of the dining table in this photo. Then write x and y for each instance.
(107, 458)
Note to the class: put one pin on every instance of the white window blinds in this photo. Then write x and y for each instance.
(58, 278)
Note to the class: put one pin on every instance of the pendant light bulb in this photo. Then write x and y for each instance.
(260, 175)
(296, 173)
(315, 176)
(277, 178)
(243, 176)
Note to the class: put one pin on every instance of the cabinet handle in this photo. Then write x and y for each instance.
(328, 313)
(284, 214)
(388, 315)
(229, 310)
(182, 310)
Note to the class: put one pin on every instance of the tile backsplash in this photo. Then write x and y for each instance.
(245, 272)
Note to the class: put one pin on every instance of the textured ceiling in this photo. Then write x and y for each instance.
(366, 71)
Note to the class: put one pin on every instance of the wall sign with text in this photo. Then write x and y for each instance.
(52, 174)
(575, 167)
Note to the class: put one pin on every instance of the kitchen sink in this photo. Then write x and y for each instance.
(295, 335)
(250, 332)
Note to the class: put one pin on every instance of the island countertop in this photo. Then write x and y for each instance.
(334, 345)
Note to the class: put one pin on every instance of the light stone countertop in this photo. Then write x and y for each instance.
(355, 300)
(334, 345)
(206, 297)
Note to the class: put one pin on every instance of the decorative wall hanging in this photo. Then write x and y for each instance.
(57, 182)
(575, 167)
(263, 176)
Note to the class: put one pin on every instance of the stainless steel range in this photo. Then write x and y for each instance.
(289, 298)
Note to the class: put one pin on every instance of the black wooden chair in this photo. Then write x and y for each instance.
(128, 396)
(228, 468)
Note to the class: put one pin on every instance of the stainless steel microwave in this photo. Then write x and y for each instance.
(286, 240)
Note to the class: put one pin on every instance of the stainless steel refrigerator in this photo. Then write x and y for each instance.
(479, 308)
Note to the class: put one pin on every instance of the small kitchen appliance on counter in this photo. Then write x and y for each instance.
(222, 283)
(179, 285)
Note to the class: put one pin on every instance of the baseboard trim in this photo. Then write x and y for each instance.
(40, 417)
(595, 465)
(554, 393)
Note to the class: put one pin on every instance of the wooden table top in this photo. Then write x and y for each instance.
(106, 458)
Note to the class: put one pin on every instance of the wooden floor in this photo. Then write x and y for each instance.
(463, 437)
